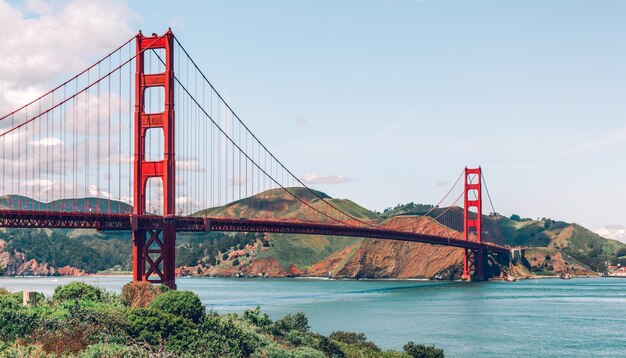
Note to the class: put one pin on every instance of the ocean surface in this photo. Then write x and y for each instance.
(528, 318)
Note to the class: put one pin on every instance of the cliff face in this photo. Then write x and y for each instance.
(16, 264)
(395, 259)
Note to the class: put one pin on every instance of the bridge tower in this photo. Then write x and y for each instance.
(153, 249)
(473, 260)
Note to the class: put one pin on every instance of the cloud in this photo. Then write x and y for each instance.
(51, 39)
(47, 142)
(313, 178)
(188, 164)
(616, 136)
(614, 232)
(389, 132)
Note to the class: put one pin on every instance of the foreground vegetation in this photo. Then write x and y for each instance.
(150, 321)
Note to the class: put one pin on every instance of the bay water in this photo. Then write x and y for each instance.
(530, 318)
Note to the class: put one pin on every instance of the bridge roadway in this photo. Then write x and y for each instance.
(67, 220)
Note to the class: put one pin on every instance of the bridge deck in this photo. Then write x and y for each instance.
(45, 219)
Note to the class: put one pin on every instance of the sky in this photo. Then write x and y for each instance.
(386, 101)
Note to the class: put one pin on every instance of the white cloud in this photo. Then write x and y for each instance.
(47, 142)
(313, 178)
(49, 39)
(187, 164)
(614, 232)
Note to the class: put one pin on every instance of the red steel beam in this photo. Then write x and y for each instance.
(43, 219)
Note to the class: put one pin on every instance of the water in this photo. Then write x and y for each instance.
(531, 318)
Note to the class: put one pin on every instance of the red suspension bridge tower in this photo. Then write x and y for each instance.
(473, 259)
(154, 249)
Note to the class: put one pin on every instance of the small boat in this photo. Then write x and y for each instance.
(565, 275)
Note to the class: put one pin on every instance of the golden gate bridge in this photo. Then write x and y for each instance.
(142, 141)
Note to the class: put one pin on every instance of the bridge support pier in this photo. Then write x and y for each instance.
(154, 255)
(474, 262)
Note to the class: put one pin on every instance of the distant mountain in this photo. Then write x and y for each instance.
(552, 245)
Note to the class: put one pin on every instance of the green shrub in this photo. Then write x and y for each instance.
(223, 337)
(101, 350)
(20, 351)
(422, 351)
(357, 339)
(329, 347)
(306, 352)
(155, 327)
(254, 316)
(184, 304)
(16, 321)
(77, 291)
(298, 338)
(297, 321)
(273, 350)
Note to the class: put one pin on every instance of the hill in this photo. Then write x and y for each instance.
(552, 245)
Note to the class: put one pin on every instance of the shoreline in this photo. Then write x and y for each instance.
(312, 278)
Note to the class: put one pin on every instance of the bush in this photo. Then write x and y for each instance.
(306, 352)
(223, 337)
(254, 316)
(77, 291)
(101, 350)
(4, 291)
(155, 327)
(184, 304)
(353, 338)
(422, 351)
(139, 294)
(297, 321)
(236, 262)
(329, 347)
(16, 320)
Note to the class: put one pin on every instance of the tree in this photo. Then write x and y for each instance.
(353, 338)
(296, 321)
(77, 291)
(236, 262)
(422, 351)
(179, 303)
(516, 217)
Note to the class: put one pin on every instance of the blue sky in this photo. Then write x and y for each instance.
(398, 96)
